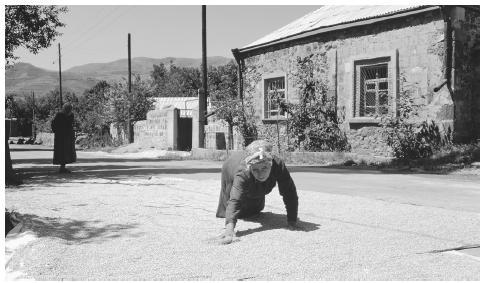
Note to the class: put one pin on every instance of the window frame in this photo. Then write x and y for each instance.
(391, 59)
(265, 79)
(362, 91)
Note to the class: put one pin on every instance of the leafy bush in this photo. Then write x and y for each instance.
(410, 139)
(97, 140)
(313, 123)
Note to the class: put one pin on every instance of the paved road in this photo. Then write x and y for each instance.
(139, 219)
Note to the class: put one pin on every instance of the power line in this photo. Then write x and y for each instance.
(96, 25)
(90, 35)
(89, 28)
(100, 28)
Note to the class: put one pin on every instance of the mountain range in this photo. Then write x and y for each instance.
(23, 78)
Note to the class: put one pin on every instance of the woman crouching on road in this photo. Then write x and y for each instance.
(246, 179)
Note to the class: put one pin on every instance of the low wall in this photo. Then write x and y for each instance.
(211, 154)
(214, 131)
(320, 158)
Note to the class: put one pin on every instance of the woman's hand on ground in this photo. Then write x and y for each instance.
(228, 236)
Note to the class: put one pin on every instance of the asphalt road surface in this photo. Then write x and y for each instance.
(119, 218)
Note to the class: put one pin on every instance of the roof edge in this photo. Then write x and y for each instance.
(339, 26)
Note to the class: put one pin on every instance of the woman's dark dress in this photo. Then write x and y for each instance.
(64, 140)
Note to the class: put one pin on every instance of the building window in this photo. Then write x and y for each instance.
(274, 94)
(373, 88)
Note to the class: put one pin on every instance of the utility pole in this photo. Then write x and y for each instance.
(60, 78)
(33, 115)
(129, 139)
(204, 92)
(10, 122)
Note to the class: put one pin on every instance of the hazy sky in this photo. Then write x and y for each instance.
(99, 33)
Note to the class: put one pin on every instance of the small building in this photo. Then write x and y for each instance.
(368, 56)
(169, 125)
(184, 104)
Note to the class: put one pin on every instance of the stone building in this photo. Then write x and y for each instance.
(368, 56)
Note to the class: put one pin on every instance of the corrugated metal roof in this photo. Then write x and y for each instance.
(327, 16)
(184, 104)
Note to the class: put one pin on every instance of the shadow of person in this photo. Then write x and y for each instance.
(271, 221)
(77, 231)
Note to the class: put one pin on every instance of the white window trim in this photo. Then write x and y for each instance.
(394, 71)
(265, 77)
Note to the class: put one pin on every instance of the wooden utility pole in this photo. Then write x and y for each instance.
(204, 92)
(33, 115)
(60, 79)
(129, 84)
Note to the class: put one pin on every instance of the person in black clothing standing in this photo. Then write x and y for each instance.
(64, 140)
(246, 179)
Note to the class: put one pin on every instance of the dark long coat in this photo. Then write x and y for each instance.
(64, 141)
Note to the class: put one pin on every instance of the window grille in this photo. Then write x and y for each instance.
(274, 94)
(373, 90)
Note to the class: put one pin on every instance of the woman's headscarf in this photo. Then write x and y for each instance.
(258, 151)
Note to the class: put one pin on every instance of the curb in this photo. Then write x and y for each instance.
(10, 237)
(17, 238)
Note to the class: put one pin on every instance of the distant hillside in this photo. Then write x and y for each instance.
(24, 77)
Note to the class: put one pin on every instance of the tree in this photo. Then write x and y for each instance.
(223, 89)
(93, 112)
(140, 101)
(175, 81)
(222, 85)
(35, 28)
(32, 27)
(21, 108)
(47, 106)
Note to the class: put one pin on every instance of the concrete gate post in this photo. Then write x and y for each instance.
(195, 129)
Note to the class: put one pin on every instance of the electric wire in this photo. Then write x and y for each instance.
(100, 27)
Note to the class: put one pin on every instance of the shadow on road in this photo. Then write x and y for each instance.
(94, 160)
(48, 175)
(114, 172)
(271, 221)
(43, 171)
(75, 231)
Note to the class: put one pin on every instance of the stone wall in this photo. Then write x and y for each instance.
(159, 129)
(368, 141)
(414, 46)
(216, 129)
(213, 130)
